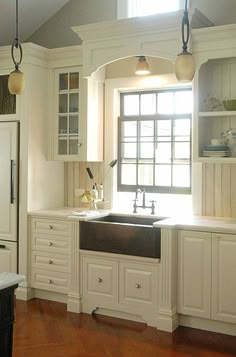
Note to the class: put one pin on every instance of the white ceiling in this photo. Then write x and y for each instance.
(32, 14)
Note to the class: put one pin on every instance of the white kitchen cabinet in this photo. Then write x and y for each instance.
(115, 282)
(224, 277)
(100, 280)
(9, 104)
(51, 254)
(138, 285)
(194, 273)
(78, 111)
(8, 257)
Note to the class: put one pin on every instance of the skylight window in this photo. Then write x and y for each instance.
(150, 7)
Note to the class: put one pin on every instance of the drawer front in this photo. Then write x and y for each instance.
(100, 278)
(51, 261)
(52, 281)
(51, 244)
(138, 285)
(50, 226)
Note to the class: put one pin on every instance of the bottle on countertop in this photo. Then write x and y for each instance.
(100, 192)
(94, 192)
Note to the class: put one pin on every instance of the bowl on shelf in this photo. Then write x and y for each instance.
(230, 104)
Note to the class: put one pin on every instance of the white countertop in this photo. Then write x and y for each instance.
(201, 223)
(10, 279)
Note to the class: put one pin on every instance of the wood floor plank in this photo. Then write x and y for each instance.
(45, 329)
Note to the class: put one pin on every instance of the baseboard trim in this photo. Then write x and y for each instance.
(168, 323)
(208, 325)
(49, 295)
(74, 303)
(24, 292)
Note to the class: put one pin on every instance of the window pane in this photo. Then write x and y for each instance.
(163, 153)
(62, 124)
(128, 174)
(73, 124)
(163, 175)
(183, 102)
(182, 127)
(63, 108)
(163, 127)
(146, 151)
(129, 150)
(149, 7)
(147, 128)
(62, 146)
(74, 80)
(181, 175)
(182, 151)
(129, 129)
(148, 104)
(166, 103)
(63, 81)
(131, 104)
(74, 102)
(145, 175)
(73, 146)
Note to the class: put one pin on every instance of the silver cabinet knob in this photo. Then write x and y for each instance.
(138, 286)
(50, 281)
(79, 145)
(50, 244)
(100, 280)
(50, 226)
(50, 261)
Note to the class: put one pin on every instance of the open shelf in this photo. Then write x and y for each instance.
(227, 113)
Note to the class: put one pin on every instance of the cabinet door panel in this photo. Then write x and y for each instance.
(8, 257)
(194, 273)
(224, 278)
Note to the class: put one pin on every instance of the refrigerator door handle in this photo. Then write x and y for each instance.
(12, 182)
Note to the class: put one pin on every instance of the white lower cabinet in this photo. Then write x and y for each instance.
(8, 257)
(224, 277)
(99, 279)
(207, 275)
(120, 285)
(194, 273)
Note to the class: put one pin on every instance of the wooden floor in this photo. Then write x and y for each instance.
(45, 329)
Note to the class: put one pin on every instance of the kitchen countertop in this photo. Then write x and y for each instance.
(10, 279)
(200, 223)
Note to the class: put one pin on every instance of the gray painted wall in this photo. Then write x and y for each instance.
(56, 32)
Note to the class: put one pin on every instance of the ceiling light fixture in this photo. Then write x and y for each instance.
(16, 81)
(142, 67)
(184, 65)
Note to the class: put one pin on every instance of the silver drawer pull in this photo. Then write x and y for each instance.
(50, 244)
(50, 226)
(138, 286)
(50, 261)
(100, 280)
(50, 281)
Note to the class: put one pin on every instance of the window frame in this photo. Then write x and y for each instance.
(138, 118)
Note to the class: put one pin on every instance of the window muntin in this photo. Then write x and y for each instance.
(155, 141)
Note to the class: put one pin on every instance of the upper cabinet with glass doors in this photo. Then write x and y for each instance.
(7, 100)
(79, 117)
(68, 113)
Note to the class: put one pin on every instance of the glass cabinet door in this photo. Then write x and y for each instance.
(68, 111)
(7, 100)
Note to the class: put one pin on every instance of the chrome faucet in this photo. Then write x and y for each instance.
(135, 206)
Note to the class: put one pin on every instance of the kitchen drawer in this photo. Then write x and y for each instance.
(51, 226)
(51, 261)
(138, 285)
(100, 278)
(51, 243)
(50, 280)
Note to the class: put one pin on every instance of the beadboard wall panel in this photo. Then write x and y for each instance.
(76, 176)
(219, 190)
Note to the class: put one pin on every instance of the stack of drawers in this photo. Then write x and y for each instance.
(51, 254)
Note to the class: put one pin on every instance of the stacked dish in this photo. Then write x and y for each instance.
(216, 151)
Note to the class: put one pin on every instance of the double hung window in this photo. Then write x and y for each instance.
(154, 145)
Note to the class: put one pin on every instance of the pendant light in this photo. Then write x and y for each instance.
(184, 65)
(142, 67)
(16, 81)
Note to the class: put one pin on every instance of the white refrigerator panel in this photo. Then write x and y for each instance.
(8, 180)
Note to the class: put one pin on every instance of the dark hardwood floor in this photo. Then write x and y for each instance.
(45, 329)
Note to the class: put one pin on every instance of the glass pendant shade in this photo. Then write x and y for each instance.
(142, 67)
(16, 82)
(185, 67)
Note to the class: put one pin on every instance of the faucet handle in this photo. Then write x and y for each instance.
(135, 205)
(153, 206)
